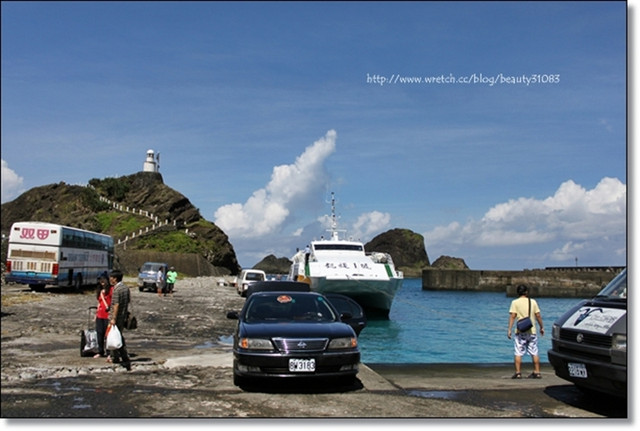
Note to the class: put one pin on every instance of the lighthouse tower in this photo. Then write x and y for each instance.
(152, 163)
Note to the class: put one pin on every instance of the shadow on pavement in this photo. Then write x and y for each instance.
(604, 405)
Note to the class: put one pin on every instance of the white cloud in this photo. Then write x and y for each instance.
(571, 222)
(369, 224)
(268, 208)
(12, 183)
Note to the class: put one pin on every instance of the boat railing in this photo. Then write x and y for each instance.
(380, 257)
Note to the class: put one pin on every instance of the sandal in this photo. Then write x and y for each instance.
(517, 376)
(534, 376)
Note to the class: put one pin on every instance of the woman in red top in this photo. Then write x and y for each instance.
(105, 292)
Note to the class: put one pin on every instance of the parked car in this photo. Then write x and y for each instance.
(292, 335)
(349, 310)
(353, 314)
(147, 275)
(273, 286)
(589, 342)
(246, 277)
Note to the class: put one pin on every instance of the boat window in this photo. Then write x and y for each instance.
(347, 247)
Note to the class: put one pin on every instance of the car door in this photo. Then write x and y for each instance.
(344, 304)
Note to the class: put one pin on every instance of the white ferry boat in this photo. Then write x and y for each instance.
(341, 266)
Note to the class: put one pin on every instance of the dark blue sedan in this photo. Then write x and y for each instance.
(292, 335)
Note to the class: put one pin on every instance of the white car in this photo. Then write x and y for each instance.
(248, 276)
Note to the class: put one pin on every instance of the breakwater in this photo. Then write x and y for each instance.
(549, 282)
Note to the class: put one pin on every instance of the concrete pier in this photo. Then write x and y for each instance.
(550, 282)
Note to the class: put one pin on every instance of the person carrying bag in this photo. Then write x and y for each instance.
(526, 339)
(117, 317)
(114, 338)
(525, 324)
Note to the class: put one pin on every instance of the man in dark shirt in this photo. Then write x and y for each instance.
(119, 308)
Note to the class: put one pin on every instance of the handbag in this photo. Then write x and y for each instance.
(525, 324)
(130, 321)
(89, 342)
(114, 338)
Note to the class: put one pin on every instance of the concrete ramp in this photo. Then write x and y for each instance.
(222, 360)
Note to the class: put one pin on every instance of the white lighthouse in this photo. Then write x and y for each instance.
(152, 163)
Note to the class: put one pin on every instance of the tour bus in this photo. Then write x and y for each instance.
(41, 254)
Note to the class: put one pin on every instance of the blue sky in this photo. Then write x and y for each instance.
(260, 110)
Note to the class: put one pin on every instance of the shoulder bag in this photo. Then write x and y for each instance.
(525, 324)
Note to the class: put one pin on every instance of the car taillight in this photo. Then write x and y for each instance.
(8, 266)
(55, 268)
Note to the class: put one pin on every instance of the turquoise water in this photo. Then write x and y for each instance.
(450, 327)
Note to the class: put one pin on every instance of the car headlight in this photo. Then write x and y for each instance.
(343, 343)
(555, 331)
(619, 342)
(256, 344)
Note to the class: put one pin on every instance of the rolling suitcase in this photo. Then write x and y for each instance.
(89, 338)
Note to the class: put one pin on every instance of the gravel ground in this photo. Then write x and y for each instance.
(181, 368)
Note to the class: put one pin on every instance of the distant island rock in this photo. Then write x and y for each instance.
(274, 265)
(448, 262)
(406, 248)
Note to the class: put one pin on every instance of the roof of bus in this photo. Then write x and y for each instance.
(50, 225)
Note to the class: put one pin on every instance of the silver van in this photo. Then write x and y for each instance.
(147, 274)
(246, 277)
(589, 342)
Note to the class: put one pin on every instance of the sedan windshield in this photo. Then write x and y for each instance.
(288, 307)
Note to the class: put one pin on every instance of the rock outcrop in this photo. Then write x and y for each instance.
(274, 265)
(448, 262)
(405, 247)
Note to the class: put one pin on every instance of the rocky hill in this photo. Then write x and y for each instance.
(274, 265)
(138, 208)
(448, 262)
(405, 247)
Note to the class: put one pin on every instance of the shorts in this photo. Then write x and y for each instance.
(525, 343)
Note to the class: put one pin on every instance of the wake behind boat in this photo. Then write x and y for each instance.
(341, 266)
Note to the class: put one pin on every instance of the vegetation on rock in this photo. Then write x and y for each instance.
(182, 229)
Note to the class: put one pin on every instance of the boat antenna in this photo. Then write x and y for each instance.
(334, 222)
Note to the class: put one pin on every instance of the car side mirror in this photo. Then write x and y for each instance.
(232, 315)
(346, 316)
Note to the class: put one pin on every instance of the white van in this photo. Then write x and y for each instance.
(148, 273)
(248, 276)
(589, 342)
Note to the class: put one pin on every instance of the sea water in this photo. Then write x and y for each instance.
(427, 326)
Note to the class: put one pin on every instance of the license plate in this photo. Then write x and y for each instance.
(577, 370)
(302, 365)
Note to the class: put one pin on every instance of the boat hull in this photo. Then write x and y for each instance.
(375, 296)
